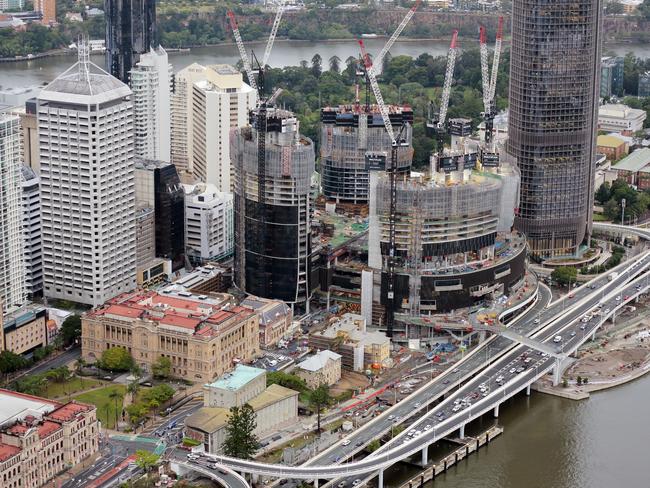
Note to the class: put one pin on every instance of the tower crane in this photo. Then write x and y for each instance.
(258, 117)
(490, 79)
(396, 142)
(439, 124)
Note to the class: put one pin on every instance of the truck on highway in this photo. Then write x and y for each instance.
(612, 275)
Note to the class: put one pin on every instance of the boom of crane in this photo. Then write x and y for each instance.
(409, 15)
(396, 142)
(441, 123)
(490, 79)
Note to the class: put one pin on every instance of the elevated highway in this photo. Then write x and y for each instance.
(497, 351)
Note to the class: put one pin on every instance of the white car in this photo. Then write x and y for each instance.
(346, 442)
(427, 427)
(557, 339)
(536, 321)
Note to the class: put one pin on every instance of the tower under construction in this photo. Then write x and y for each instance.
(272, 227)
(354, 141)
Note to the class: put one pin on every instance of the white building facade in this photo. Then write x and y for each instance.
(32, 230)
(620, 118)
(209, 233)
(151, 86)
(85, 120)
(12, 269)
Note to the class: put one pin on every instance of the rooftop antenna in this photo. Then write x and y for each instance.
(83, 55)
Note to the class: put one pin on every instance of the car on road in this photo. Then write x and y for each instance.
(445, 382)
(341, 484)
(391, 417)
(499, 379)
(606, 311)
(618, 298)
(583, 327)
(359, 443)
(192, 457)
(521, 369)
(557, 339)
(356, 482)
(427, 427)
(346, 442)
(513, 370)
(536, 321)
(573, 333)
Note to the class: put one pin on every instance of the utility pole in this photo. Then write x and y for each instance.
(623, 211)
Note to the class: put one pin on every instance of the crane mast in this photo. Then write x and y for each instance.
(242, 50)
(396, 141)
(274, 31)
(496, 59)
(409, 15)
(441, 128)
(490, 79)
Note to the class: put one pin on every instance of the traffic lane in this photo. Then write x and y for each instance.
(228, 478)
(61, 360)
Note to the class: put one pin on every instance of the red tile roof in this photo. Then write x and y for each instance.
(180, 321)
(7, 451)
(69, 411)
(47, 427)
(123, 311)
(17, 429)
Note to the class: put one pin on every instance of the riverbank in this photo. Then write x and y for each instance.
(620, 354)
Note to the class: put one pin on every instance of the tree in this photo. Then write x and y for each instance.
(373, 446)
(71, 330)
(603, 193)
(116, 359)
(316, 65)
(79, 365)
(319, 398)
(117, 398)
(159, 393)
(564, 275)
(133, 388)
(162, 367)
(136, 412)
(11, 362)
(146, 460)
(611, 209)
(288, 380)
(59, 375)
(241, 442)
(335, 64)
(32, 385)
(579, 380)
(153, 406)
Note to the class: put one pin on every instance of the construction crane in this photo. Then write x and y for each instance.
(396, 142)
(259, 116)
(439, 124)
(409, 15)
(490, 79)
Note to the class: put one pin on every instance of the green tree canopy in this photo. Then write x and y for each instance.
(117, 359)
(162, 367)
(288, 380)
(71, 329)
(11, 362)
(241, 441)
(603, 193)
(319, 398)
(159, 393)
(564, 275)
(146, 460)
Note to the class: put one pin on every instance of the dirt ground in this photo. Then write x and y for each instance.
(610, 364)
(349, 381)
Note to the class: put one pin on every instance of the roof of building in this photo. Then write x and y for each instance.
(268, 310)
(212, 419)
(7, 451)
(69, 411)
(16, 406)
(609, 141)
(319, 360)
(93, 85)
(238, 378)
(620, 111)
(635, 161)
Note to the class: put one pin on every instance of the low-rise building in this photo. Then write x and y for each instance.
(204, 280)
(635, 169)
(617, 117)
(275, 318)
(203, 336)
(324, 367)
(24, 329)
(275, 407)
(614, 148)
(40, 438)
(359, 348)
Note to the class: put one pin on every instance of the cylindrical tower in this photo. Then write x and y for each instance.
(273, 236)
(349, 134)
(554, 86)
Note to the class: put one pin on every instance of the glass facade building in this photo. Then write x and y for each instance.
(554, 88)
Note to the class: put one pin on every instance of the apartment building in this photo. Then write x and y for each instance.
(202, 336)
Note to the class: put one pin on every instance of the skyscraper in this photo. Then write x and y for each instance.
(85, 121)
(554, 87)
(130, 31)
(273, 236)
(12, 269)
(32, 231)
(151, 86)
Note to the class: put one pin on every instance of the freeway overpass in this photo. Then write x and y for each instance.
(558, 317)
(642, 232)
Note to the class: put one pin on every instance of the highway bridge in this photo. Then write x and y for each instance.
(502, 356)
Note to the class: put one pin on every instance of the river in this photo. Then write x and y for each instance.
(550, 442)
(285, 53)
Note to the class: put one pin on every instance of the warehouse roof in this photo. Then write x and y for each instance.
(609, 141)
(238, 378)
(319, 360)
(635, 161)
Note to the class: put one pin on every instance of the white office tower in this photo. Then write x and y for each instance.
(32, 231)
(151, 86)
(85, 119)
(12, 268)
(209, 232)
(208, 102)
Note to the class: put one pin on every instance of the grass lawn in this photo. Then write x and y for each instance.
(75, 385)
(106, 410)
(599, 217)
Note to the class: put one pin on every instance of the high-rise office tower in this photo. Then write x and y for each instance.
(85, 135)
(158, 187)
(554, 88)
(130, 31)
(273, 236)
(208, 102)
(12, 268)
(151, 86)
(32, 231)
